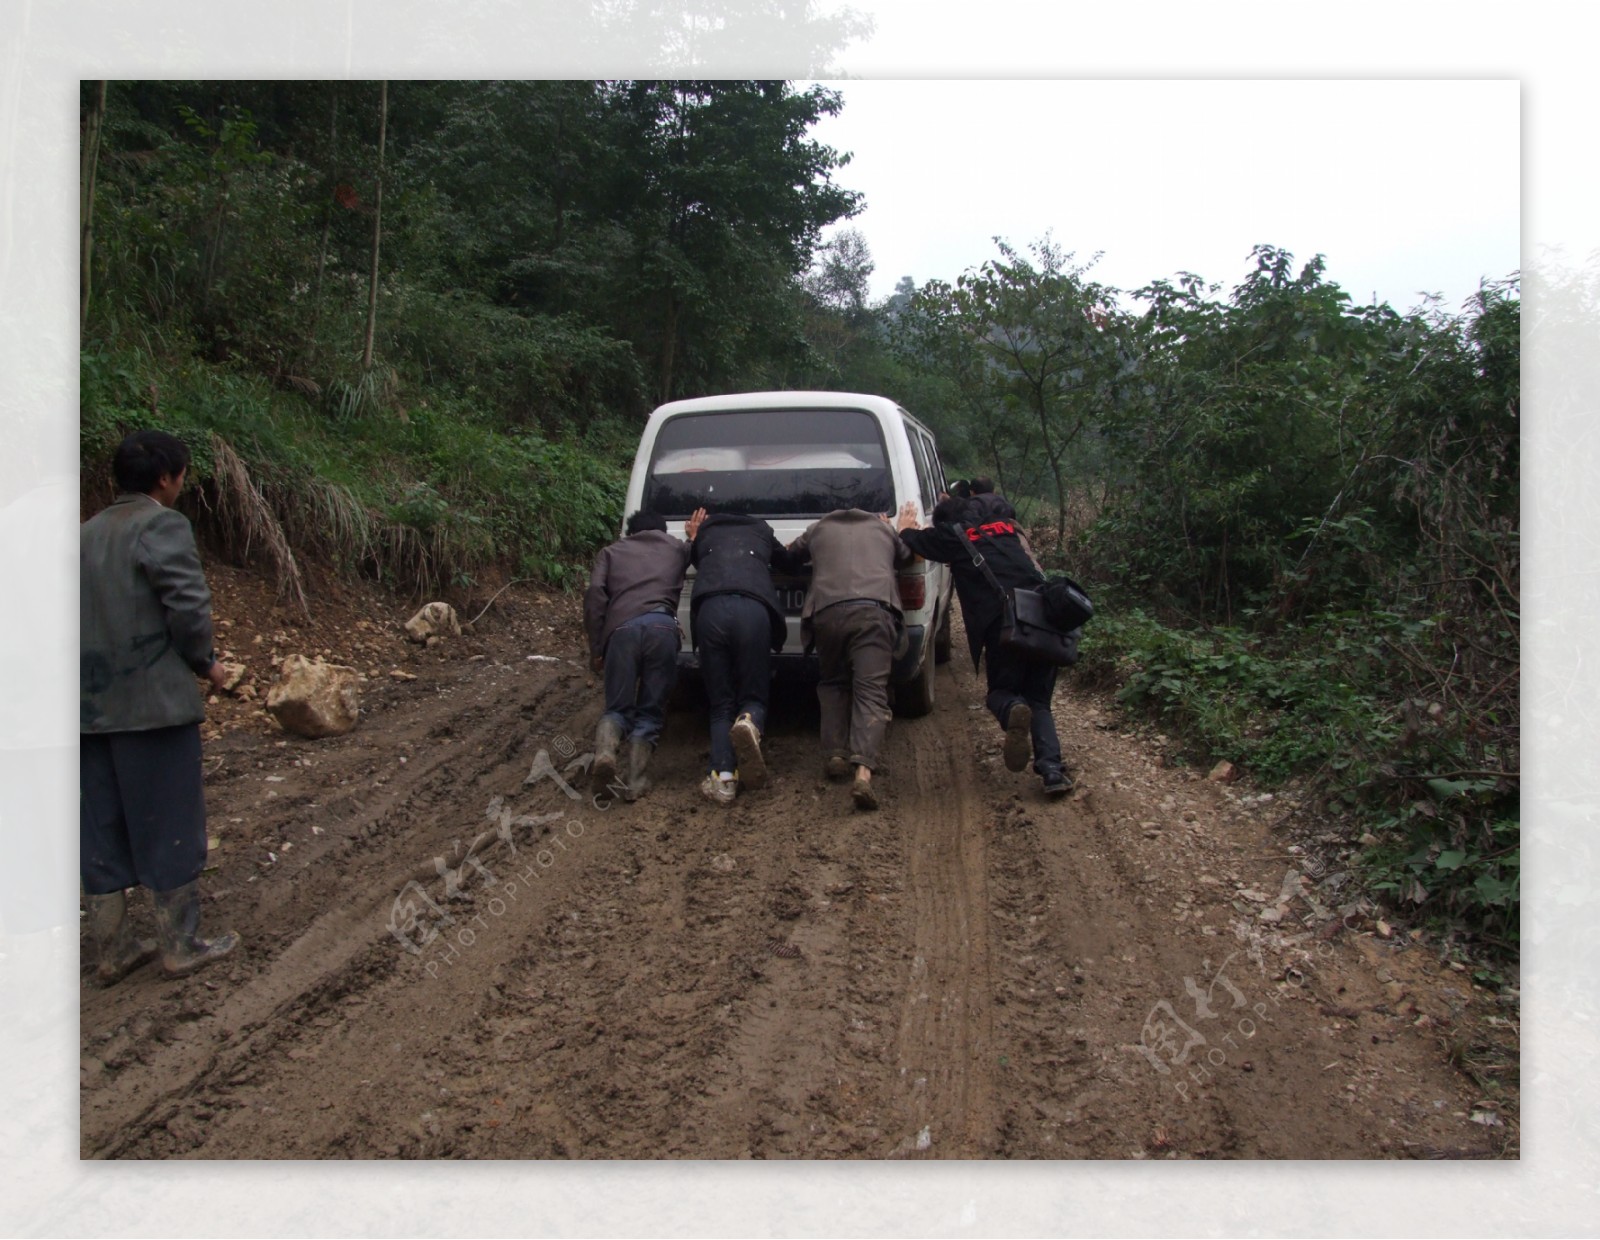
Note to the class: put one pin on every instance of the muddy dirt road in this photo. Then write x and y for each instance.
(970, 972)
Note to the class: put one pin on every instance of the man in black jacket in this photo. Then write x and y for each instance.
(736, 624)
(1019, 689)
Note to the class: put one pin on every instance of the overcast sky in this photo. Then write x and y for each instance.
(1405, 187)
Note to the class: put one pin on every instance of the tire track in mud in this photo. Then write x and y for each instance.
(944, 1051)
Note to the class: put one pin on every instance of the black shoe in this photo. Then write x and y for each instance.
(1057, 784)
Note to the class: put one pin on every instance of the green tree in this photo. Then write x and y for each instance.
(1036, 353)
(723, 198)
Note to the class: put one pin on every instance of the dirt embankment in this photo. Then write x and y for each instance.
(971, 972)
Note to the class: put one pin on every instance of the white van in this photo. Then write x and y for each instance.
(791, 457)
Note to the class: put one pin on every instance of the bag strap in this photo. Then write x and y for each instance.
(977, 559)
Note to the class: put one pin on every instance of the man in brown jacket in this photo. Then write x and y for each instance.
(852, 616)
(630, 614)
(144, 637)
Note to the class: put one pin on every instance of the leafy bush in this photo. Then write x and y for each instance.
(1323, 701)
(423, 500)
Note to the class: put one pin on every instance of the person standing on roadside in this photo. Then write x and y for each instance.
(736, 624)
(852, 616)
(1019, 689)
(144, 637)
(630, 615)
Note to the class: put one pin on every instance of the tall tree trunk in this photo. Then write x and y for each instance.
(327, 224)
(669, 341)
(1061, 505)
(377, 228)
(91, 162)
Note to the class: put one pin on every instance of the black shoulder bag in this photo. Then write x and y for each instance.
(1043, 624)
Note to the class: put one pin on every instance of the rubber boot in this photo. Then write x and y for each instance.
(178, 919)
(638, 758)
(119, 952)
(603, 774)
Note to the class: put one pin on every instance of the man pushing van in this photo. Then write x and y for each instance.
(630, 614)
(852, 616)
(736, 624)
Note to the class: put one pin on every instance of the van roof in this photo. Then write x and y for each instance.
(777, 400)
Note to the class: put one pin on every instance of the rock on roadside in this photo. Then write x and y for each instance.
(433, 620)
(314, 698)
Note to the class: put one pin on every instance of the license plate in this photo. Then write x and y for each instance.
(791, 599)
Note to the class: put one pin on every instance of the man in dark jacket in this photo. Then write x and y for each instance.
(852, 616)
(736, 624)
(144, 637)
(630, 614)
(984, 502)
(1019, 689)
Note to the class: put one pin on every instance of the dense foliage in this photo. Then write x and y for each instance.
(411, 329)
(439, 309)
(1302, 516)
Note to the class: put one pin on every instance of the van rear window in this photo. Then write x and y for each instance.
(769, 463)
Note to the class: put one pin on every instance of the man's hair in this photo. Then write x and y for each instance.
(952, 508)
(961, 488)
(144, 456)
(982, 486)
(641, 521)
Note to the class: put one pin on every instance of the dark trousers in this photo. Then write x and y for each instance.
(734, 636)
(141, 809)
(855, 648)
(1014, 679)
(641, 670)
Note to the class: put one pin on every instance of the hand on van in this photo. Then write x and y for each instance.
(908, 515)
(691, 527)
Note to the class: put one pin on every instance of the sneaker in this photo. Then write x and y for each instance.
(746, 738)
(862, 794)
(837, 767)
(1018, 747)
(1057, 784)
(720, 788)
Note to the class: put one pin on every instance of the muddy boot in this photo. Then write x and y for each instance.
(119, 952)
(178, 921)
(861, 791)
(603, 774)
(638, 758)
(1019, 737)
(837, 766)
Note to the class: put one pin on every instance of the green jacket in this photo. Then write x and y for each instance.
(144, 619)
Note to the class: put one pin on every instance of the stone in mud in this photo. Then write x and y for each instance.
(315, 699)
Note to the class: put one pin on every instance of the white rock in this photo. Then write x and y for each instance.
(433, 620)
(314, 698)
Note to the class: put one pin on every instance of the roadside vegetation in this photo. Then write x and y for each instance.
(410, 331)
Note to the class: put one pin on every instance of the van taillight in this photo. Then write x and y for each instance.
(913, 590)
